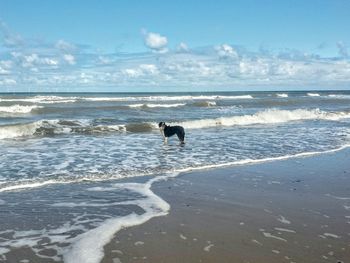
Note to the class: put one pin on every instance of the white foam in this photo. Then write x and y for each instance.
(269, 116)
(282, 95)
(310, 94)
(284, 230)
(13, 131)
(269, 235)
(331, 235)
(25, 185)
(207, 248)
(183, 237)
(169, 98)
(44, 99)
(88, 247)
(338, 197)
(19, 108)
(339, 96)
(283, 220)
(150, 105)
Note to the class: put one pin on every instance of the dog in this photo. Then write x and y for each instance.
(168, 131)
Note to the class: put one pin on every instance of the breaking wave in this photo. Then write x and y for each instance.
(267, 117)
(282, 95)
(42, 99)
(169, 98)
(55, 127)
(204, 104)
(151, 105)
(313, 94)
(18, 109)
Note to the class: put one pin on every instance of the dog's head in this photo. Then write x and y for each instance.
(161, 125)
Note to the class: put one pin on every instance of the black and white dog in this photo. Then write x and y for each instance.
(168, 131)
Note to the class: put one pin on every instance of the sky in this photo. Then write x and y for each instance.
(154, 45)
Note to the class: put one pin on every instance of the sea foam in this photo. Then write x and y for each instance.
(310, 94)
(88, 247)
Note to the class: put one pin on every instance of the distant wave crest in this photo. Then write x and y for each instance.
(152, 105)
(42, 99)
(310, 94)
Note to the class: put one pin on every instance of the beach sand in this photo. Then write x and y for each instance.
(296, 210)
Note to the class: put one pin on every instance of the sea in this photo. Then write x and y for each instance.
(75, 168)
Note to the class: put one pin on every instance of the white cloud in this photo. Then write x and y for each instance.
(226, 51)
(5, 66)
(182, 47)
(141, 71)
(70, 59)
(156, 42)
(8, 82)
(258, 67)
(3, 71)
(342, 49)
(64, 46)
(32, 61)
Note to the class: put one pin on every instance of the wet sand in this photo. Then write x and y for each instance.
(296, 210)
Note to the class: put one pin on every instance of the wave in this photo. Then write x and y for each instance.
(42, 99)
(310, 94)
(173, 105)
(267, 117)
(18, 108)
(150, 105)
(169, 98)
(204, 104)
(339, 96)
(56, 127)
(282, 95)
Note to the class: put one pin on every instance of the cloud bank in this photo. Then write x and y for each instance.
(42, 66)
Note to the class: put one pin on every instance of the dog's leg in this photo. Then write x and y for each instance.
(181, 137)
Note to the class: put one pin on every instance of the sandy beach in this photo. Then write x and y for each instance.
(296, 210)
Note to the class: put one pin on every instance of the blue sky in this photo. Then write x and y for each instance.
(183, 45)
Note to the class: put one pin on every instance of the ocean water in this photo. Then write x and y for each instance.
(79, 167)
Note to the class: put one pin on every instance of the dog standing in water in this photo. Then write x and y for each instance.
(168, 131)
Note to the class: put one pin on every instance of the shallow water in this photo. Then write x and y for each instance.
(64, 145)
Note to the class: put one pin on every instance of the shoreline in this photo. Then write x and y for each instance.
(243, 214)
(228, 165)
(280, 210)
